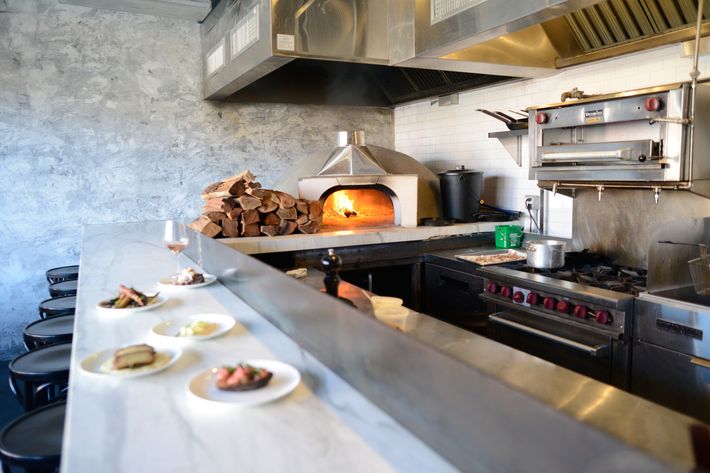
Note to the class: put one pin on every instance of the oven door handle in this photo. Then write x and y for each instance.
(597, 351)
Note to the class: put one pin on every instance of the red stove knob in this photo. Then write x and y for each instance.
(564, 307)
(533, 299)
(602, 317)
(549, 303)
(653, 104)
(518, 297)
(506, 291)
(541, 118)
(580, 312)
(492, 287)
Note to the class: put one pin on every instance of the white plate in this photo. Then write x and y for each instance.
(130, 310)
(168, 282)
(99, 363)
(285, 380)
(170, 328)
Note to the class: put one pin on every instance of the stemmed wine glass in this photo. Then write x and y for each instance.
(176, 239)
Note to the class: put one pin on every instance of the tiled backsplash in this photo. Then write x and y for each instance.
(446, 137)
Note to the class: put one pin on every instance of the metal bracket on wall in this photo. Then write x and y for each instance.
(512, 141)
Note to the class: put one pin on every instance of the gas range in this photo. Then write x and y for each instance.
(577, 316)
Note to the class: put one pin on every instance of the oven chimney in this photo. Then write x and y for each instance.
(351, 157)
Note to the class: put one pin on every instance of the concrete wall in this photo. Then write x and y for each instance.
(101, 120)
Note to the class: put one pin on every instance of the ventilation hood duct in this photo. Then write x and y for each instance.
(321, 52)
(386, 52)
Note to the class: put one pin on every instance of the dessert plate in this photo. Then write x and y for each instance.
(157, 302)
(171, 328)
(99, 363)
(285, 380)
(170, 282)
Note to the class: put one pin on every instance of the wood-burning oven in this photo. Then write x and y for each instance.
(356, 191)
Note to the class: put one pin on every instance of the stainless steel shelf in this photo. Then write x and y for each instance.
(512, 141)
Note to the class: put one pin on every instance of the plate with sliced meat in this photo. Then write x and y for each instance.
(247, 383)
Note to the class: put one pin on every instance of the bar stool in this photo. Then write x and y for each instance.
(33, 441)
(40, 376)
(43, 332)
(63, 288)
(57, 306)
(62, 273)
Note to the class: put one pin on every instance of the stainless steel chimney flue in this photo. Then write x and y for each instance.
(351, 157)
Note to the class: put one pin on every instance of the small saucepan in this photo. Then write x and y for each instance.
(546, 254)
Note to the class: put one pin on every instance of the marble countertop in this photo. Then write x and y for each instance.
(153, 424)
(369, 236)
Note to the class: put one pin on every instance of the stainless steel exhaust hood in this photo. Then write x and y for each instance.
(385, 52)
(546, 35)
(320, 51)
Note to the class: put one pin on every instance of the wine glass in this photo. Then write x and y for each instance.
(176, 239)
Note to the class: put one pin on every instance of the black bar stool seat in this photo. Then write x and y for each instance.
(33, 441)
(40, 376)
(55, 306)
(63, 288)
(62, 273)
(57, 329)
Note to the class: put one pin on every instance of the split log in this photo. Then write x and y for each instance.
(270, 230)
(268, 206)
(286, 201)
(250, 216)
(248, 202)
(251, 229)
(314, 209)
(221, 204)
(230, 228)
(287, 227)
(287, 214)
(272, 219)
(302, 219)
(216, 217)
(206, 226)
(302, 206)
(258, 193)
(310, 227)
(245, 176)
(234, 213)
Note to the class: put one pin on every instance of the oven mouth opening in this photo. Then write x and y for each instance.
(359, 206)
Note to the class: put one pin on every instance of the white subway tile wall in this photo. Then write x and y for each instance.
(446, 137)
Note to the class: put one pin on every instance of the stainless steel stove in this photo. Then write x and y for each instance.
(578, 317)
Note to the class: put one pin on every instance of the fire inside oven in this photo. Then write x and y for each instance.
(358, 206)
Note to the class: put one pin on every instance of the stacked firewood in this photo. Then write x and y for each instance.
(238, 206)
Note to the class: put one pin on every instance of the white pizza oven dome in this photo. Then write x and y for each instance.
(370, 186)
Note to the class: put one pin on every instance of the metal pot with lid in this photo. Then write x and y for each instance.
(545, 254)
(461, 193)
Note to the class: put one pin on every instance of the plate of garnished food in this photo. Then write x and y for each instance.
(130, 300)
(188, 278)
(130, 361)
(195, 327)
(246, 383)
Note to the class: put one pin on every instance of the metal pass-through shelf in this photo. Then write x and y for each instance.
(512, 141)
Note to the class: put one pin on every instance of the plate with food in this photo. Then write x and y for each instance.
(195, 327)
(131, 361)
(130, 300)
(246, 383)
(188, 278)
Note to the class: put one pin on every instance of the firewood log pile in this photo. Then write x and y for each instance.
(238, 207)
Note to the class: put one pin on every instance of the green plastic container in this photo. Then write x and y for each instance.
(508, 236)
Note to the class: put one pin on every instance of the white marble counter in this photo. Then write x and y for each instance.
(151, 423)
(368, 236)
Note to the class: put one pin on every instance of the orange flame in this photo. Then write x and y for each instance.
(343, 204)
